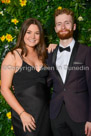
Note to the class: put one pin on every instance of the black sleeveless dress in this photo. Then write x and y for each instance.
(31, 92)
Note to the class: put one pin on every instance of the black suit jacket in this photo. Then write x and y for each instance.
(76, 92)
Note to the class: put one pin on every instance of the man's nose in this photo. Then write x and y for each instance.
(63, 26)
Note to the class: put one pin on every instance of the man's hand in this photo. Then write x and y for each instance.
(51, 47)
(88, 128)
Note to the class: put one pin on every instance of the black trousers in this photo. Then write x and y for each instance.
(63, 125)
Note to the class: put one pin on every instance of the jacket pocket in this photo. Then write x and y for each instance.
(84, 91)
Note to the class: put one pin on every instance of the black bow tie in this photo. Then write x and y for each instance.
(64, 49)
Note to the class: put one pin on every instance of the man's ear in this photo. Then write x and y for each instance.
(55, 29)
(74, 27)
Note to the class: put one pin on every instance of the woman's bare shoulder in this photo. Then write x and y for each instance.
(9, 58)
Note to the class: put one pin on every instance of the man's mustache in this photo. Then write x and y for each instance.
(67, 35)
(64, 30)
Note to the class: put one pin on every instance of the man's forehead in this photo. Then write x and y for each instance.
(63, 17)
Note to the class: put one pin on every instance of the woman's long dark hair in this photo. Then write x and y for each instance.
(40, 47)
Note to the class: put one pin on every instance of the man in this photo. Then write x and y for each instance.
(70, 106)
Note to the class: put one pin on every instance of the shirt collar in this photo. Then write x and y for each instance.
(71, 45)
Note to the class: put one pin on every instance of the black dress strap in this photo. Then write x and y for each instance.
(19, 54)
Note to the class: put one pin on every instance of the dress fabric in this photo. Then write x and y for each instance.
(32, 93)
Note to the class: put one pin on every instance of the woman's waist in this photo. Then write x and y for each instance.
(31, 90)
(27, 83)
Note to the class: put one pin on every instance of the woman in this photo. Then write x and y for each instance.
(24, 66)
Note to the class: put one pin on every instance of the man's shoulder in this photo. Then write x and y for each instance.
(84, 46)
(50, 56)
(84, 49)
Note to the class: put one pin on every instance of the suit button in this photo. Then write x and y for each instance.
(64, 89)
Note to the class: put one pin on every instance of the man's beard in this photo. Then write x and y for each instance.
(67, 35)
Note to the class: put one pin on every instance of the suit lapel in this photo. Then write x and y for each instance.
(54, 64)
(73, 55)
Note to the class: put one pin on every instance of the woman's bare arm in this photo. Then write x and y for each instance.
(7, 72)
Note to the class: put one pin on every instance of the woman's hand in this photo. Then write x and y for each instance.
(28, 121)
(51, 47)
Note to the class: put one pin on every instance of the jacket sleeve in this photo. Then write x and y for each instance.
(88, 79)
(49, 78)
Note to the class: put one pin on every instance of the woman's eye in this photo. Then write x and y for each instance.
(37, 33)
(28, 32)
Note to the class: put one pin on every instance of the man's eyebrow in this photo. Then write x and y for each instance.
(58, 22)
(67, 21)
(64, 21)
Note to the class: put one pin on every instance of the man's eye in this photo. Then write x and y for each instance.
(58, 24)
(67, 22)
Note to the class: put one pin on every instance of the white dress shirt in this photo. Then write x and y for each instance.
(62, 60)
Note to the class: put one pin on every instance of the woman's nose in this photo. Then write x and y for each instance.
(33, 35)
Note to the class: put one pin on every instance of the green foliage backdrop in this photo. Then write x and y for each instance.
(12, 15)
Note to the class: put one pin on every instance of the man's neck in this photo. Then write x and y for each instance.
(66, 42)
